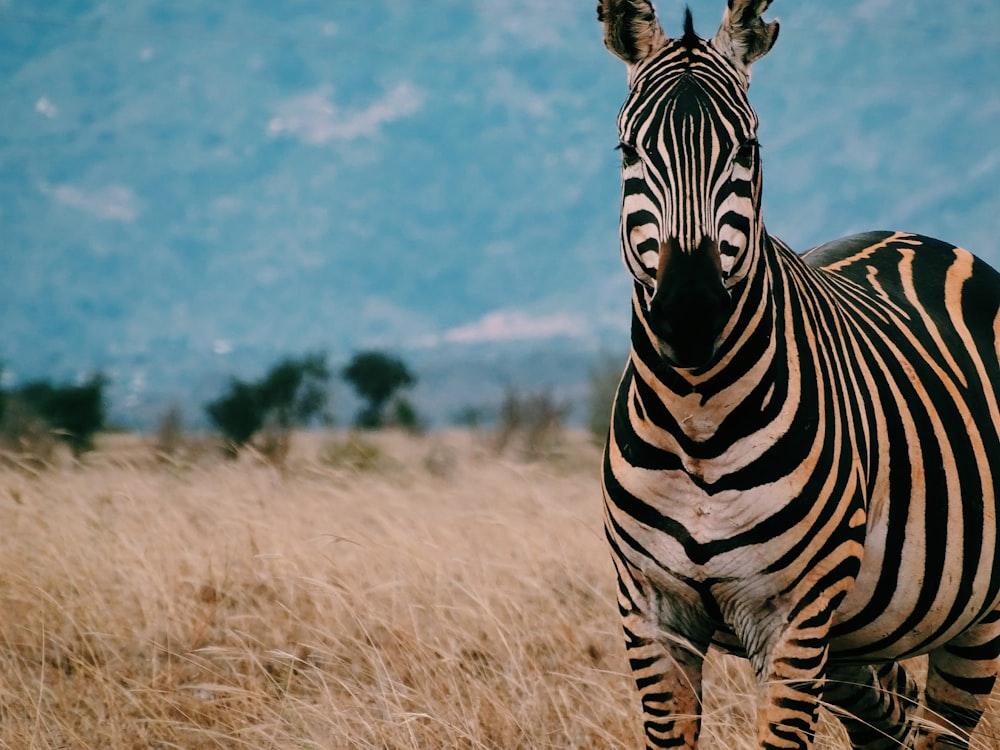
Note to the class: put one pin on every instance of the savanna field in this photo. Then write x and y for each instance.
(385, 592)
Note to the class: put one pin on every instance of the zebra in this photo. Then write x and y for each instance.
(803, 455)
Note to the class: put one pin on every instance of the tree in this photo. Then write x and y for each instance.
(403, 414)
(295, 390)
(237, 414)
(75, 412)
(292, 393)
(376, 377)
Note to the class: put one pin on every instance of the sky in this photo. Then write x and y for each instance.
(189, 190)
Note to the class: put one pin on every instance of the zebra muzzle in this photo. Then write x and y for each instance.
(691, 305)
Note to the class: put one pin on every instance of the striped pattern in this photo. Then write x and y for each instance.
(666, 194)
(804, 450)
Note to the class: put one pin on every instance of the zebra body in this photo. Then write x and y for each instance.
(802, 454)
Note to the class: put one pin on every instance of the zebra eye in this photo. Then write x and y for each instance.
(629, 155)
(745, 153)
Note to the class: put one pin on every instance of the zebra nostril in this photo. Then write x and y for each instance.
(691, 306)
(670, 251)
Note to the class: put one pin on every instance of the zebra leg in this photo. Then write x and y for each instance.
(667, 667)
(960, 678)
(875, 704)
(791, 689)
(668, 676)
(791, 667)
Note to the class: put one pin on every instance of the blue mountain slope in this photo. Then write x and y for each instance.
(191, 189)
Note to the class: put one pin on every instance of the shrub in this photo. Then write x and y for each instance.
(405, 416)
(353, 453)
(24, 435)
(602, 386)
(75, 413)
(531, 424)
(292, 393)
(238, 414)
(169, 438)
(376, 377)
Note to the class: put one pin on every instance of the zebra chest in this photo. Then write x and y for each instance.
(692, 531)
(708, 497)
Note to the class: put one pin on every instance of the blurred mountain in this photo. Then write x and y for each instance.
(190, 190)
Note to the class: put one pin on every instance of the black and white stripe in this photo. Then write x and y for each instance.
(804, 450)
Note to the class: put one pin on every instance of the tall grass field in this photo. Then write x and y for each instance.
(392, 592)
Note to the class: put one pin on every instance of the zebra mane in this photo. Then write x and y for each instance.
(690, 38)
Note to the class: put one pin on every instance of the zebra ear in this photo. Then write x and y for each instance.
(743, 36)
(631, 30)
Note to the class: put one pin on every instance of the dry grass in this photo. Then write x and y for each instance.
(445, 600)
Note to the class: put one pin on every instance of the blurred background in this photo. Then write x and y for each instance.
(192, 191)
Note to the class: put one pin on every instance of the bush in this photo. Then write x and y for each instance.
(353, 453)
(531, 424)
(75, 413)
(403, 415)
(292, 393)
(470, 417)
(26, 436)
(376, 377)
(602, 386)
(238, 414)
(169, 438)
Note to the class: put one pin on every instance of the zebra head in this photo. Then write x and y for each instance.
(690, 168)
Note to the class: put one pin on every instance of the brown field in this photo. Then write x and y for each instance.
(423, 593)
